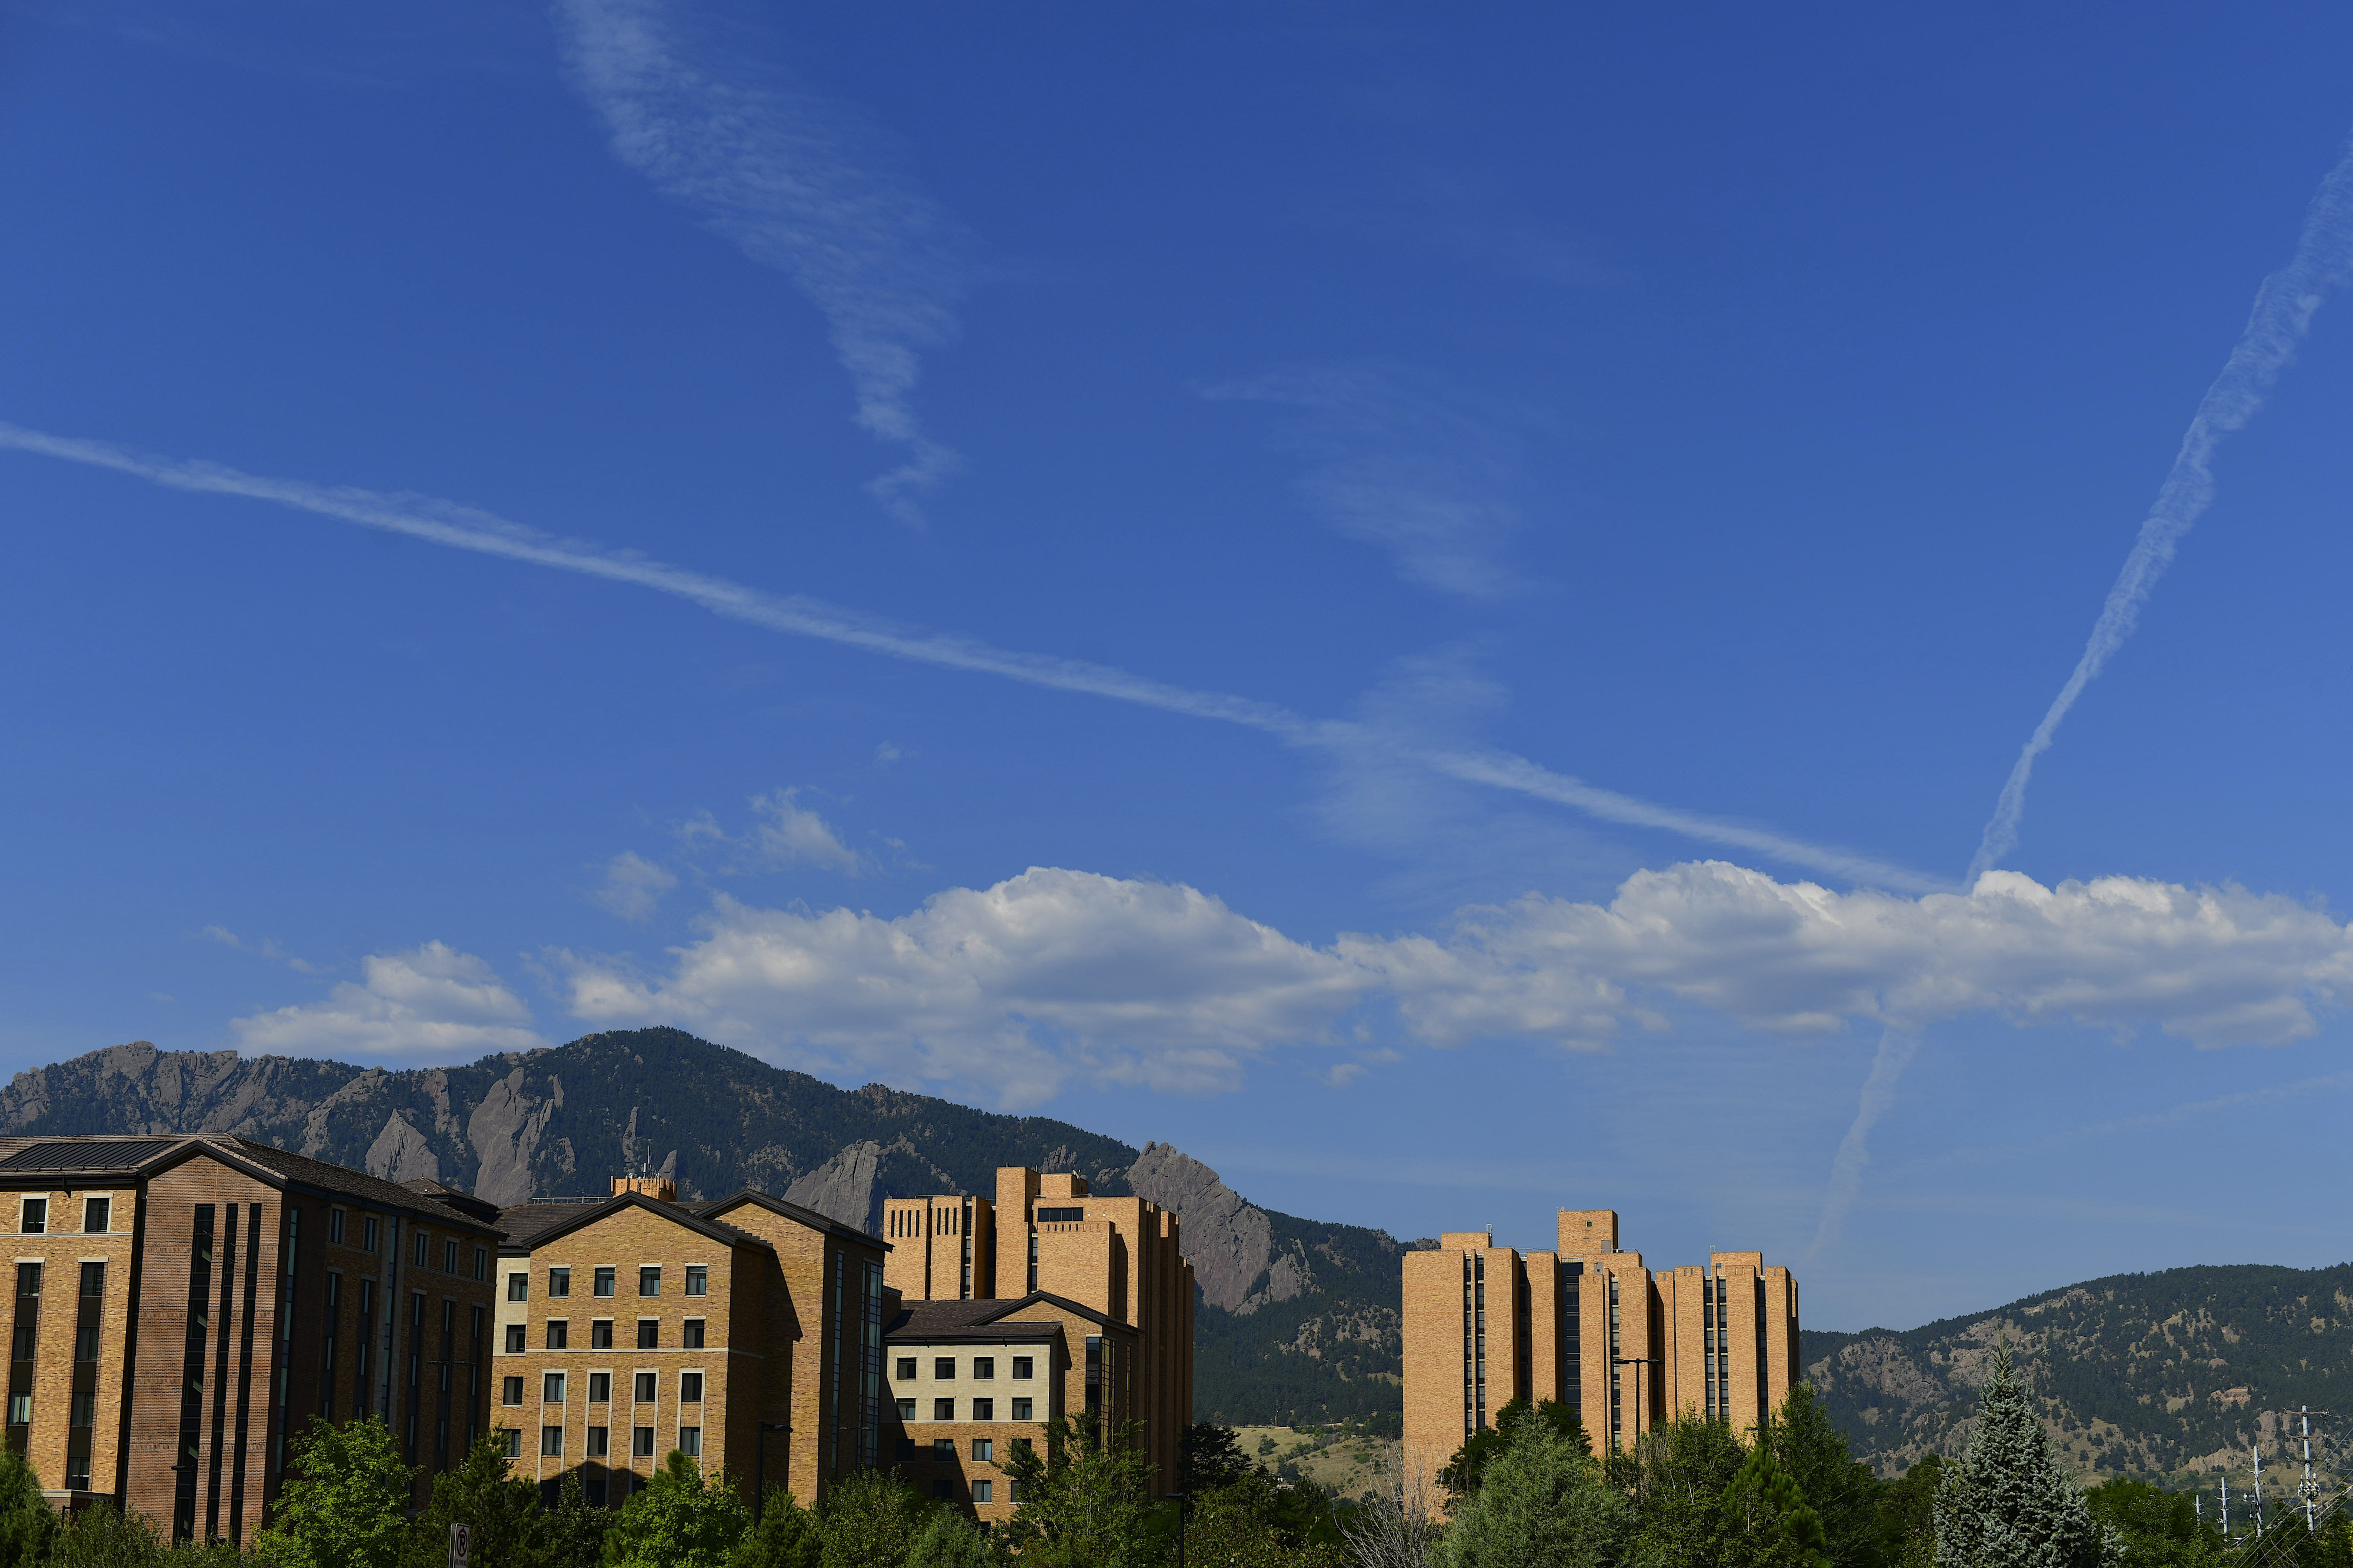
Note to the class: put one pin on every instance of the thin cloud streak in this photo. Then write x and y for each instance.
(2283, 309)
(785, 176)
(1897, 1048)
(468, 528)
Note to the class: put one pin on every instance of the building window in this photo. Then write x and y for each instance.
(559, 1282)
(983, 1367)
(649, 1280)
(983, 1491)
(84, 1410)
(369, 1242)
(906, 1410)
(944, 1369)
(1021, 1408)
(96, 1214)
(334, 1227)
(513, 1436)
(448, 1257)
(559, 1334)
(943, 1448)
(423, 1257)
(510, 1393)
(984, 1448)
(690, 1388)
(515, 1339)
(517, 1287)
(906, 1369)
(689, 1442)
(644, 1388)
(36, 1221)
(650, 1333)
(1021, 1367)
(604, 1286)
(481, 1263)
(600, 1334)
(20, 1410)
(943, 1409)
(551, 1441)
(600, 1388)
(641, 1442)
(551, 1388)
(984, 1410)
(1060, 1217)
(691, 1335)
(698, 1279)
(596, 1442)
(1021, 1444)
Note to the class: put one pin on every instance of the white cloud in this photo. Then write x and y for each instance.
(433, 1003)
(1058, 976)
(793, 833)
(633, 887)
(1046, 978)
(1401, 468)
(266, 948)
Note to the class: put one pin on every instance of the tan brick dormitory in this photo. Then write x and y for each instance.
(185, 1306)
(1590, 1327)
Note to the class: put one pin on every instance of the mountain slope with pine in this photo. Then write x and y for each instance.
(2168, 1374)
(1298, 1318)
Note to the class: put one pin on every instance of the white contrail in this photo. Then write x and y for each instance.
(469, 528)
(783, 175)
(1897, 1046)
(2284, 310)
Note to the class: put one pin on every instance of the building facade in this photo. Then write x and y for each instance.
(746, 1333)
(1591, 1327)
(185, 1306)
(1043, 1237)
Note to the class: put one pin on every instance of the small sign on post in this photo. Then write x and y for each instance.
(461, 1545)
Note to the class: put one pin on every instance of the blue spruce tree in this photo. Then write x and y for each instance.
(2006, 1504)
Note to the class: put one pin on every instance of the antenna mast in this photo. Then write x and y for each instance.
(2311, 1489)
(2255, 1446)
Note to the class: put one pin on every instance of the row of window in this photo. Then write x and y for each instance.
(642, 1390)
(984, 1368)
(604, 1281)
(600, 1334)
(598, 1446)
(97, 1216)
(944, 1449)
(982, 1410)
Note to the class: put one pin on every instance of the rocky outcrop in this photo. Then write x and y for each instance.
(1229, 1241)
(843, 1187)
(504, 1130)
(400, 1153)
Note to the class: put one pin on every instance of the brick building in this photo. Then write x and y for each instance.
(1590, 1327)
(184, 1306)
(1106, 1273)
(745, 1331)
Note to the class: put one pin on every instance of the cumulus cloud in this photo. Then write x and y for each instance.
(633, 887)
(1403, 469)
(791, 833)
(1045, 978)
(432, 1004)
(1060, 977)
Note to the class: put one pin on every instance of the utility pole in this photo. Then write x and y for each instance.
(2226, 1505)
(2256, 1448)
(2310, 1488)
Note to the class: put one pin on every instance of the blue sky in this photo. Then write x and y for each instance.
(1430, 608)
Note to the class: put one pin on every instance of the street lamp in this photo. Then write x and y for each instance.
(760, 1464)
(1182, 1501)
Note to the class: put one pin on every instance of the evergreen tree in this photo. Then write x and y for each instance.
(1209, 1457)
(951, 1540)
(28, 1523)
(1542, 1501)
(1907, 1514)
(786, 1537)
(2007, 1504)
(1086, 1502)
(1767, 1522)
(344, 1503)
(682, 1518)
(575, 1527)
(502, 1511)
(1677, 1477)
(1837, 1486)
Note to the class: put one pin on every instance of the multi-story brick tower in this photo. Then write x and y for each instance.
(1044, 1239)
(1590, 1327)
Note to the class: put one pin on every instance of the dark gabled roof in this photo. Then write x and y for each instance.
(524, 1232)
(525, 1223)
(982, 1321)
(351, 1183)
(86, 1154)
(792, 1211)
(457, 1198)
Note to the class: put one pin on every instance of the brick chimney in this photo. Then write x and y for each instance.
(661, 1189)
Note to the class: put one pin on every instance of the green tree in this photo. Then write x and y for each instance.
(1210, 1456)
(1255, 1522)
(28, 1523)
(951, 1541)
(1085, 1502)
(1541, 1500)
(344, 1502)
(1464, 1471)
(1676, 1476)
(501, 1511)
(1767, 1522)
(2160, 1529)
(101, 1537)
(575, 1528)
(1837, 1486)
(786, 1536)
(2007, 1504)
(681, 1519)
(1907, 1514)
(870, 1520)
